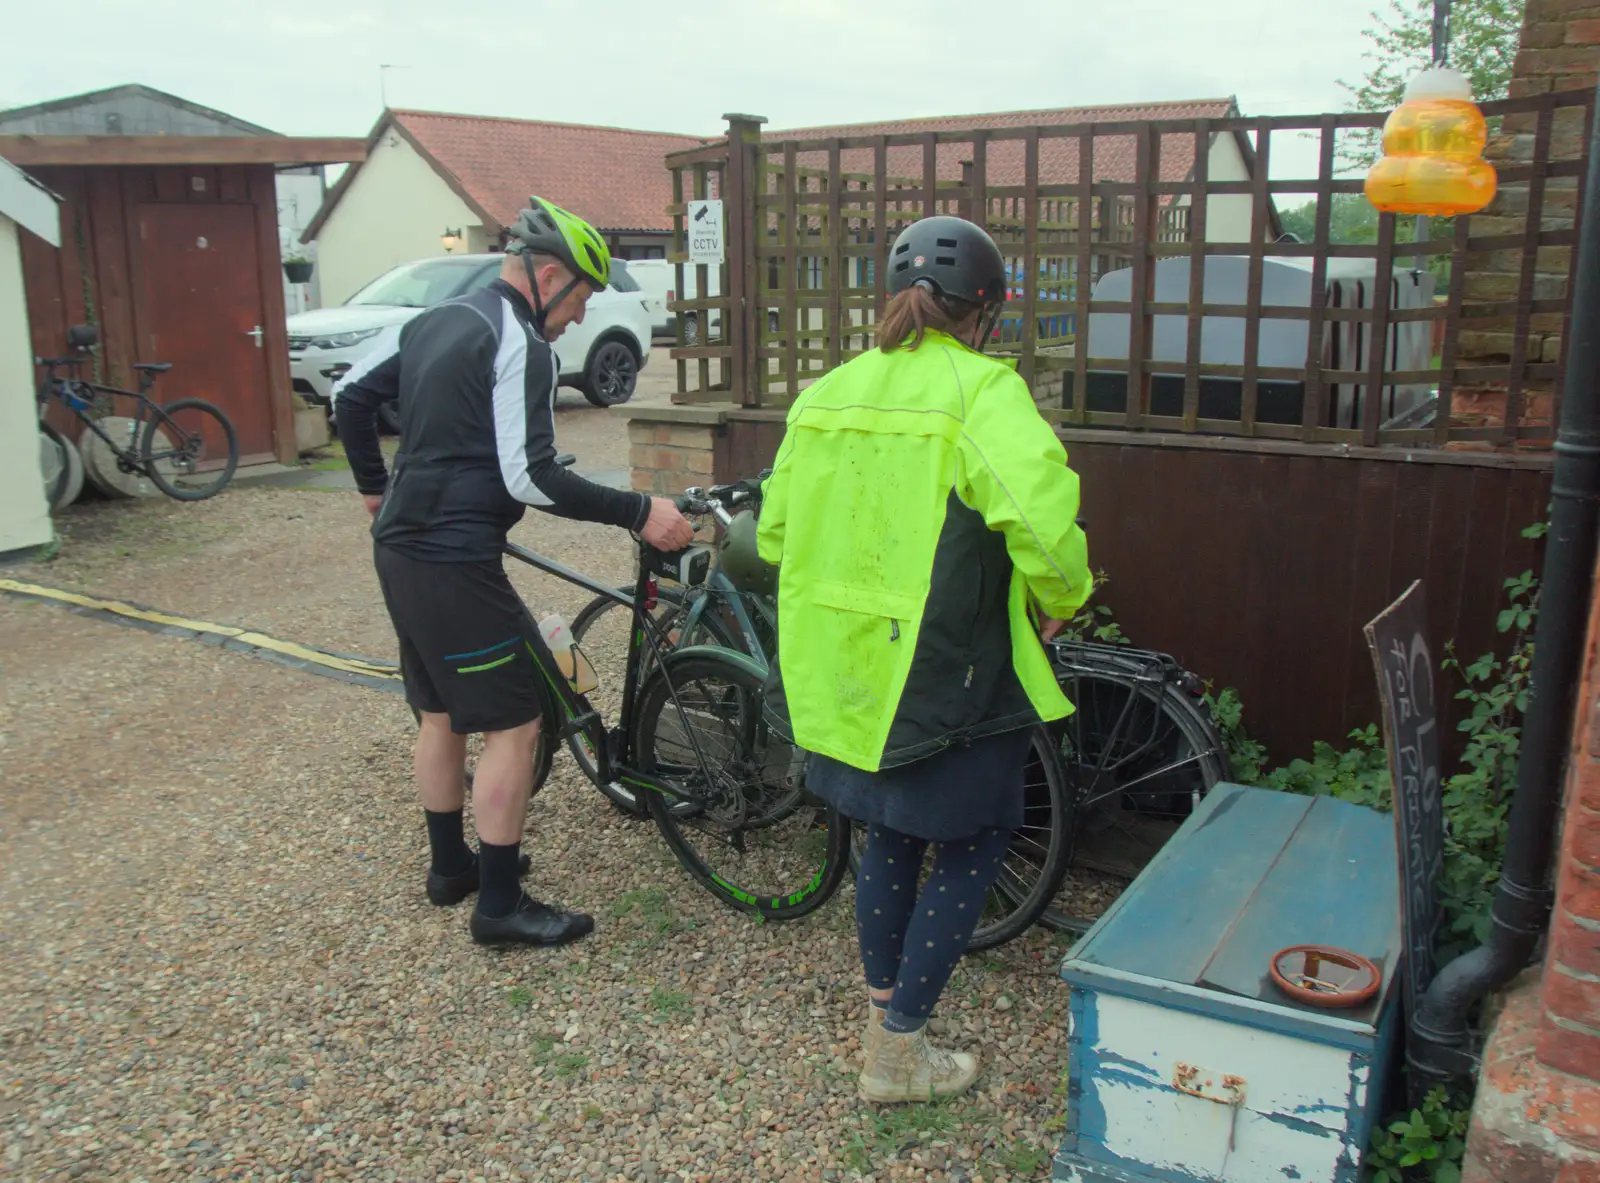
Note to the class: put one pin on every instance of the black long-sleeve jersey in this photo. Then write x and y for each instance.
(476, 388)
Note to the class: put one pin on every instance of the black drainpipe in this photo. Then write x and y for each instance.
(1439, 1051)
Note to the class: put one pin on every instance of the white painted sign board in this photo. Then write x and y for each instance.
(705, 232)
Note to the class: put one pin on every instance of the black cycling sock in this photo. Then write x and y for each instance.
(451, 854)
(499, 880)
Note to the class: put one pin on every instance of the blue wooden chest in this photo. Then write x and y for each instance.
(1186, 1062)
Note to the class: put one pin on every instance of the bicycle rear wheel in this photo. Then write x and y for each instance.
(55, 465)
(738, 818)
(1139, 753)
(1041, 848)
(189, 449)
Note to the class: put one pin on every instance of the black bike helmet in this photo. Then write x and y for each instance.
(952, 256)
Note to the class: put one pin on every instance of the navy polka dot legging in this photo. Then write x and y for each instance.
(911, 941)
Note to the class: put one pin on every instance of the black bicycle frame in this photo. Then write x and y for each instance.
(67, 391)
(575, 711)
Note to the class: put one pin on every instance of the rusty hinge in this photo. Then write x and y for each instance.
(1209, 1085)
(1225, 1088)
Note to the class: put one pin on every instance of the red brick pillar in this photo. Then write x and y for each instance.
(1569, 1036)
(1537, 1114)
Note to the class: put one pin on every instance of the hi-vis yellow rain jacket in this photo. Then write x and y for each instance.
(917, 501)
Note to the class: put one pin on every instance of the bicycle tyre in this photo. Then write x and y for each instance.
(1047, 806)
(55, 465)
(1196, 747)
(75, 475)
(750, 732)
(163, 421)
(543, 752)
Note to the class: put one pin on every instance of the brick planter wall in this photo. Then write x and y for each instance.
(672, 448)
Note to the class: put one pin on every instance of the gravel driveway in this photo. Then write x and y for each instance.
(218, 962)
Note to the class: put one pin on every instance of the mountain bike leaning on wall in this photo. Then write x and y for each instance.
(186, 448)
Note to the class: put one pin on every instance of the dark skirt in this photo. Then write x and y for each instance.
(954, 794)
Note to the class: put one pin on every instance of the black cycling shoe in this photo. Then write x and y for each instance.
(445, 891)
(531, 923)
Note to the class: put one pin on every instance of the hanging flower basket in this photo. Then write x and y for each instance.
(298, 270)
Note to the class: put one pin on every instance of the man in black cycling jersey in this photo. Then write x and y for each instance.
(475, 379)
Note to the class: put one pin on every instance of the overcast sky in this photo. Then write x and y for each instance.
(313, 68)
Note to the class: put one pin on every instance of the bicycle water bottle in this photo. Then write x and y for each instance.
(574, 666)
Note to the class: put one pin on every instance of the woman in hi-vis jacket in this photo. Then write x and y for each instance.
(924, 523)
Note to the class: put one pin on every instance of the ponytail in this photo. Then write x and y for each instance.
(914, 312)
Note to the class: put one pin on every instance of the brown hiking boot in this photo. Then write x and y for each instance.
(872, 1037)
(906, 1067)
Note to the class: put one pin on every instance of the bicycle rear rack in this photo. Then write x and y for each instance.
(1139, 665)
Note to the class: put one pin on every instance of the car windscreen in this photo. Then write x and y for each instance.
(421, 284)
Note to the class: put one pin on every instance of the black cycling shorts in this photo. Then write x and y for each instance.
(468, 647)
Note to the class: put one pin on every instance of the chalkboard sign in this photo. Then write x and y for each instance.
(1398, 638)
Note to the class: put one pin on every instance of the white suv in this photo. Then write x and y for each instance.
(602, 356)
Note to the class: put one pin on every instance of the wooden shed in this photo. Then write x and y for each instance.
(170, 248)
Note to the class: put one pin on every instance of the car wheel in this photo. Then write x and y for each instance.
(691, 330)
(611, 375)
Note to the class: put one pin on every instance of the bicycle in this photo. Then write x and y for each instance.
(690, 740)
(718, 613)
(715, 613)
(186, 448)
(1102, 790)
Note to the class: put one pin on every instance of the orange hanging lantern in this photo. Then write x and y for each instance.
(1433, 143)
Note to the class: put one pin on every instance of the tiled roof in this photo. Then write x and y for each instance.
(615, 178)
(1058, 158)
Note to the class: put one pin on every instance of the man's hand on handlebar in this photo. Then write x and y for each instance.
(666, 529)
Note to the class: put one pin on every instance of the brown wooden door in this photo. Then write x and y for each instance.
(202, 311)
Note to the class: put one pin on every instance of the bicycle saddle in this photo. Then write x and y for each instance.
(153, 367)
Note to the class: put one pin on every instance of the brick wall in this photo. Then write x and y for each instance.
(1560, 51)
(1569, 1037)
(671, 449)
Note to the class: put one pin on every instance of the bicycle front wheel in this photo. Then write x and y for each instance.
(735, 811)
(189, 450)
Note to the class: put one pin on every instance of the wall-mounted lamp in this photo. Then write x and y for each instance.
(451, 239)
